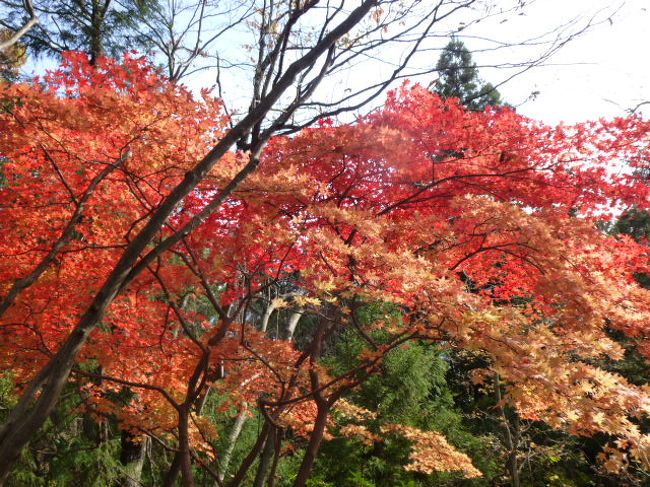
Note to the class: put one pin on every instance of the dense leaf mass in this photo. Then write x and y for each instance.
(476, 230)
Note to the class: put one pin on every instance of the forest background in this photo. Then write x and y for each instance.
(440, 292)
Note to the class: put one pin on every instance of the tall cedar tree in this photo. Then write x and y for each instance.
(459, 78)
(99, 27)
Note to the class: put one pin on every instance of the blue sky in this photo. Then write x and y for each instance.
(602, 72)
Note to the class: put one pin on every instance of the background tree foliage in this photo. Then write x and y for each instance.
(459, 78)
(11, 59)
(97, 27)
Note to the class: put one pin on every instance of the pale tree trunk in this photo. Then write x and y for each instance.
(267, 315)
(293, 323)
(31, 22)
(232, 440)
(134, 452)
(252, 455)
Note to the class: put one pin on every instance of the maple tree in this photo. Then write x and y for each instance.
(404, 208)
(253, 130)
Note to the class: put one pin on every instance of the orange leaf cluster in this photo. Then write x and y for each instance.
(466, 222)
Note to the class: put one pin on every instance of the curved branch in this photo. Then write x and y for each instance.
(31, 22)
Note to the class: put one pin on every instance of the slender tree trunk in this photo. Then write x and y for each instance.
(182, 459)
(173, 472)
(184, 447)
(252, 455)
(265, 459)
(513, 463)
(15, 37)
(232, 440)
(513, 468)
(315, 441)
(511, 440)
(276, 458)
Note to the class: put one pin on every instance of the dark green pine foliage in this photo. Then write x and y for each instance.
(99, 27)
(636, 224)
(459, 79)
(410, 388)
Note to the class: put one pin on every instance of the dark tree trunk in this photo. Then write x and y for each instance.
(173, 472)
(184, 447)
(252, 455)
(312, 447)
(265, 459)
(279, 436)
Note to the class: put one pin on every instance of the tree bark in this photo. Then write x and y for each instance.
(279, 436)
(184, 447)
(267, 315)
(33, 408)
(252, 455)
(265, 459)
(173, 472)
(315, 440)
(293, 323)
(232, 440)
(132, 457)
(33, 20)
(96, 29)
(511, 440)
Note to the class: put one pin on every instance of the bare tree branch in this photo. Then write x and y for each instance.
(31, 22)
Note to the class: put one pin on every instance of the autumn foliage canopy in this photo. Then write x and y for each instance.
(473, 230)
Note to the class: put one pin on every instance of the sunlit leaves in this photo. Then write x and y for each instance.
(477, 229)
